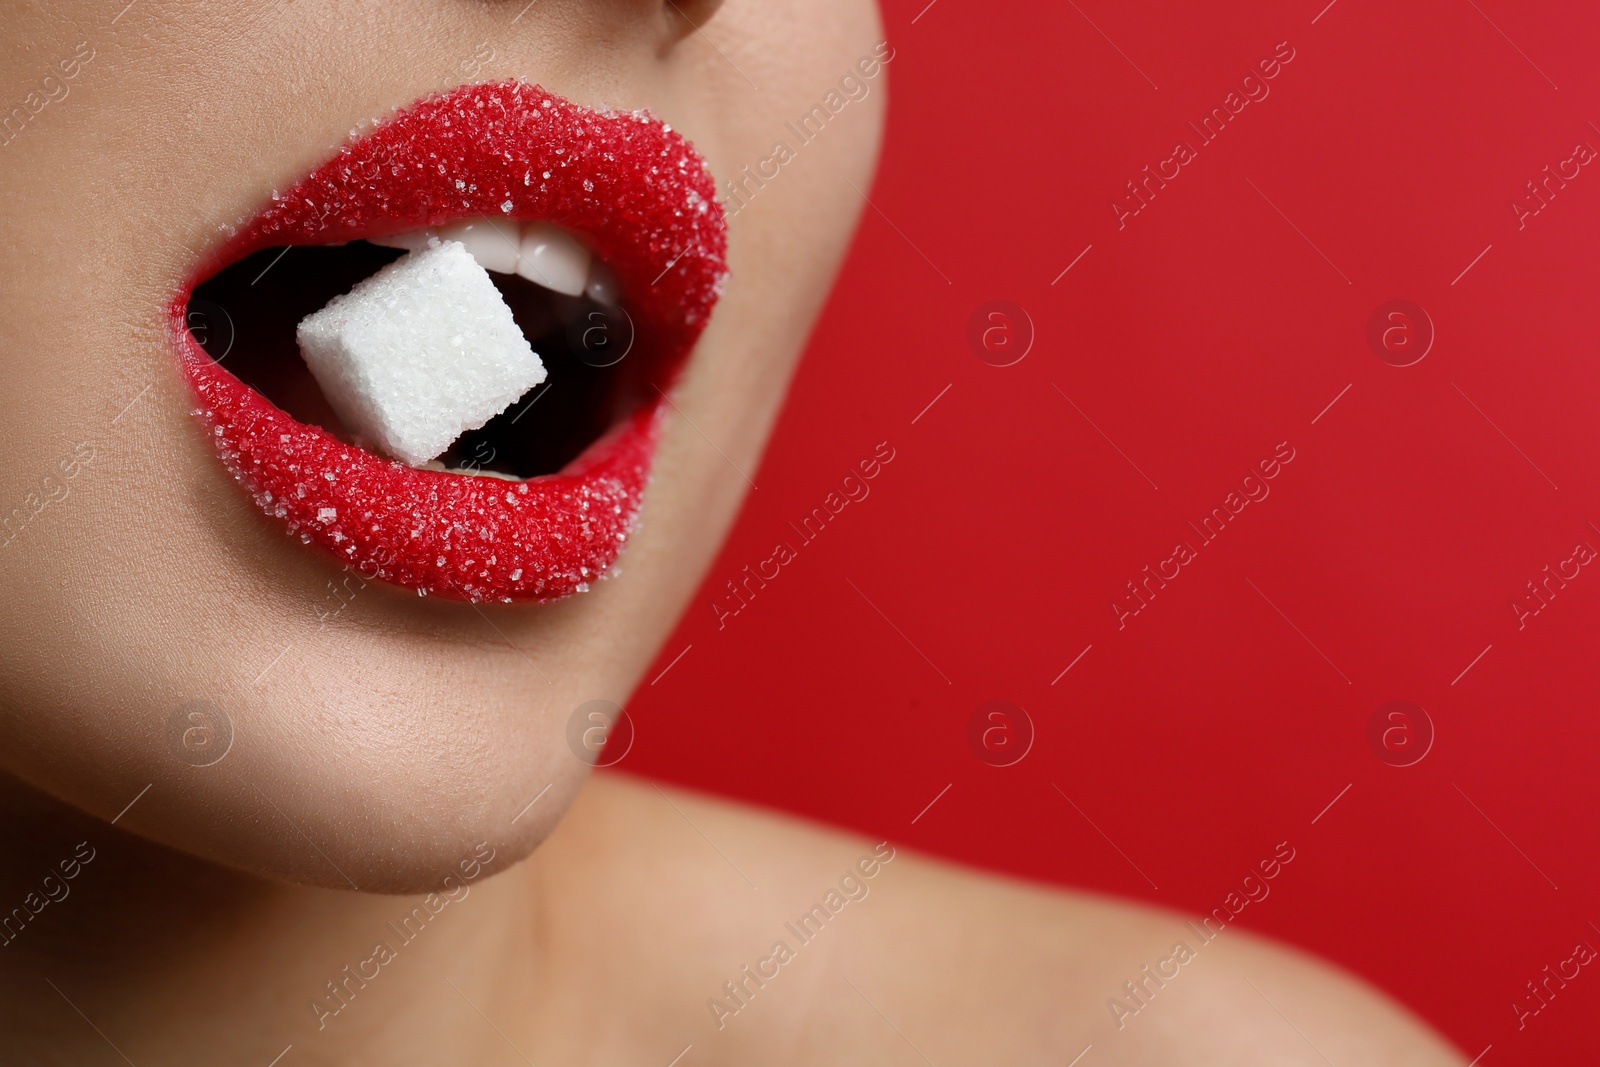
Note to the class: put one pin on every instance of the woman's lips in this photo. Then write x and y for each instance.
(642, 199)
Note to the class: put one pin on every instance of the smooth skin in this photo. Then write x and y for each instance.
(405, 738)
(609, 944)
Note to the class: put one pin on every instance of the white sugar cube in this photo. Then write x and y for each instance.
(419, 353)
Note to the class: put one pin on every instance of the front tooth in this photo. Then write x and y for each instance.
(602, 285)
(479, 472)
(492, 242)
(553, 258)
(411, 240)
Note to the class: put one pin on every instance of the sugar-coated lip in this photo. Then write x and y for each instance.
(637, 193)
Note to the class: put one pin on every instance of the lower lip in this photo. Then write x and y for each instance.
(462, 537)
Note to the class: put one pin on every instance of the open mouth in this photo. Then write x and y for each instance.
(597, 235)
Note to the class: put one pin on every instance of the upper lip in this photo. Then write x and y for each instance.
(629, 186)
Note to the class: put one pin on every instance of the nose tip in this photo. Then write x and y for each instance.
(690, 15)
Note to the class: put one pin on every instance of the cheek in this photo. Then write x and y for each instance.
(787, 239)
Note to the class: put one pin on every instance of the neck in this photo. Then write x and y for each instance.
(109, 942)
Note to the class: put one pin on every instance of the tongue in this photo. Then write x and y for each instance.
(419, 353)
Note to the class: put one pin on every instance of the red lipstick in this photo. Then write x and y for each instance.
(642, 199)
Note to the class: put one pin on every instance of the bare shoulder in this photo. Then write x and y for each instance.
(847, 950)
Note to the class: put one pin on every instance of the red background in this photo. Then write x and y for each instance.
(1227, 714)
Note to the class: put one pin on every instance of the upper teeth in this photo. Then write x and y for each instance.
(544, 254)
